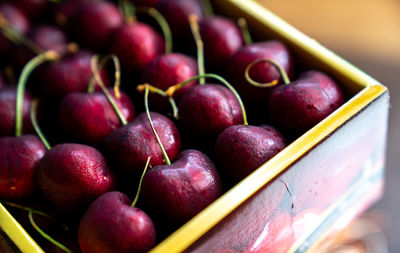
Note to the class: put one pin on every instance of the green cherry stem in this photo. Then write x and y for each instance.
(282, 72)
(95, 69)
(194, 26)
(171, 90)
(45, 235)
(141, 87)
(16, 37)
(162, 22)
(242, 23)
(208, 10)
(35, 124)
(140, 182)
(128, 10)
(29, 67)
(146, 106)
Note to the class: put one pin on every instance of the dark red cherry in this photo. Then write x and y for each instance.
(7, 111)
(136, 44)
(71, 74)
(130, 146)
(132, 229)
(301, 104)
(90, 118)
(179, 191)
(94, 23)
(19, 157)
(167, 70)
(206, 110)
(70, 176)
(261, 72)
(221, 38)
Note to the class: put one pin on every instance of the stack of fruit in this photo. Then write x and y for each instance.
(103, 137)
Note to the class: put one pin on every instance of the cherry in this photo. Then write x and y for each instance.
(44, 38)
(19, 157)
(90, 118)
(70, 176)
(71, 74)
(130, 145)
(94, 23)
(16, 19)
(111, 224)
(261, 72)
(7, 111)
(301, 104)
(177, 13)
(182, 189)
(167, 70)
(206, 110)
(136, 44)
(241, 149)
(221, 38)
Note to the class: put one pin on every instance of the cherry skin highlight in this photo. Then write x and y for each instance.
(70, 176)
(19, 157)
(111, 225)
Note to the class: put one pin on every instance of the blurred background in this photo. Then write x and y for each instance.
(367, 34)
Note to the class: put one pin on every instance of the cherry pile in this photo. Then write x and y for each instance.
(197, 71)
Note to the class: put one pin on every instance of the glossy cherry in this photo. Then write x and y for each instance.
(167, 70)
(221, 38)
(112, 225)
(177, 13)
(179, 191)
(130, 145)
(90, 118)
(206, 110)
(71, 74)
(136, 44)
(19, 157)
(241, 149)
(70, 176)
(261, 72)
(301, 104)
